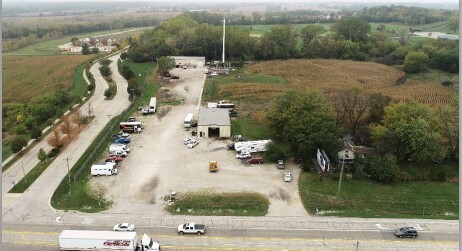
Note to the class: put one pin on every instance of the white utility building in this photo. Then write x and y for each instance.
(213, 122)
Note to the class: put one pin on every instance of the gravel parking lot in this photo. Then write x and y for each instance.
(160, 163)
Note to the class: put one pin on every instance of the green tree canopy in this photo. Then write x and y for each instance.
(415, 62)
(408, 131)
(304, 121)
(165, 64)
(453, 23)
(352, 28)
(279, 42)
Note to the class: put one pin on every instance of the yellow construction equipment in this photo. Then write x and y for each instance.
(213, 166)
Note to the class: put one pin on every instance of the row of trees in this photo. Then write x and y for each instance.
(349, 38)
(386, 14)
(305, 122)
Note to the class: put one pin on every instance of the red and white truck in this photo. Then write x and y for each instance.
(104, 240)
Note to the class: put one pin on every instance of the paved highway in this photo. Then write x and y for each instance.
(45, 237)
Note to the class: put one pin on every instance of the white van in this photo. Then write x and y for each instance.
(152, 105)
(188, 120)
(119, 147)
(118, 153)
(107, 169)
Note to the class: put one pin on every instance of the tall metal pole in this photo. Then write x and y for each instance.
(69, 175)
(341, 176)
(25, 179)
(223, 57)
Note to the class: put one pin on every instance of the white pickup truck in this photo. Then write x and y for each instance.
(191, 228)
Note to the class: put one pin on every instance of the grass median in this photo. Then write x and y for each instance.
(220, 204)
(370, 199)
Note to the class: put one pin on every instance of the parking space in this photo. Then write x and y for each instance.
(160, 163)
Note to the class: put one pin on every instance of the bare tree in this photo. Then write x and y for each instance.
(54, 140)
(352, 109)
(65, 126)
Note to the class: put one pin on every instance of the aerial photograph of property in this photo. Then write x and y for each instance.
(241, 125)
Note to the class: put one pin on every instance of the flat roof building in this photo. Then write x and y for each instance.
(213, 122)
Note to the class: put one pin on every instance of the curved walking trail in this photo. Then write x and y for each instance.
(33, 205)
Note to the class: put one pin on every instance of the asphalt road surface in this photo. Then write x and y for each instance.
(43, 237)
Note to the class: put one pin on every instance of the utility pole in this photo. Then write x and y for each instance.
(68, 174)
(23, 172)
(133, 94)
(223, 57)
(340, 180)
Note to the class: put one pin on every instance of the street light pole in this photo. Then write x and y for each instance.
(68, 174)
(25, 179)
(340, 180)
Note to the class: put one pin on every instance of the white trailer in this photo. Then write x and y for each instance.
(106, 169)
(103, 240)
(152, 105)
(252, 146)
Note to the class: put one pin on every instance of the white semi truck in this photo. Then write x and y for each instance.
(104, 240)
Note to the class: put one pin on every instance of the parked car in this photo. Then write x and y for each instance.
(120, 135)
(124, 227)
(145, 110)
(185, 67)
(233, 114)
(281, 164)
(132, 119)
(193, 143)
(287, 177)
(122, 141)
(187, 141)
(243, 155)
(406, 232)
(175, 77)
(230, 146)
(114, 158)
(255, 160)
(118, 153)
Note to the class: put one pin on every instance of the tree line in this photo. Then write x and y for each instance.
(348, 38)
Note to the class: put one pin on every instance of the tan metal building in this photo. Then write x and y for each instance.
(213, 122)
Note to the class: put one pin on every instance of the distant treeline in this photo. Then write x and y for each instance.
(348, 38)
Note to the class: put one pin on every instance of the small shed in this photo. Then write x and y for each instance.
(213, 122)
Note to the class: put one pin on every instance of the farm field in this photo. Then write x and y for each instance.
(331, 77)
(27, 77)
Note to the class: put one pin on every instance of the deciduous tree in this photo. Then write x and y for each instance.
(352, 28)
(409, 131)
(415, 62)
(304, 121)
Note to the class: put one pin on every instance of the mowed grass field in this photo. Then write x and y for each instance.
(27, 77)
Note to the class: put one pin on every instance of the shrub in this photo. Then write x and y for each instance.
(20, 129)
(35, 133)
(91, 87)
(17, 143)
(274, 152)
(53, 152)
(105, 71)
(447, 83)
(108, 92)
(382, 167)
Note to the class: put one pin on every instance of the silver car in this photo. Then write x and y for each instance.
(406, 232)
(124, 227)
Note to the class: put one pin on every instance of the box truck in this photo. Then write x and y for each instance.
(107, 168)
(104, 240)
(152, 105)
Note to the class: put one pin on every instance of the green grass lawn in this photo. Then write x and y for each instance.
(6, 150)
(434, 75)
(220, 204)
(80, 85)
(364, 198)
(249, 129)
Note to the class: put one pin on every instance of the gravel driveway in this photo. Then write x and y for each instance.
(160, 163)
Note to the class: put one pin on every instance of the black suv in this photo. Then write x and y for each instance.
(406, 232)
